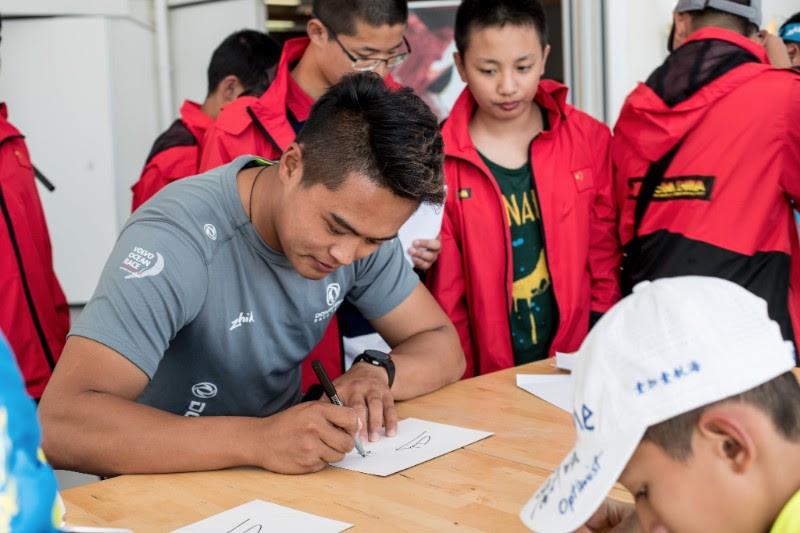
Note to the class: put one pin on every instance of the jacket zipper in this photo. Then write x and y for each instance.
(28, 296)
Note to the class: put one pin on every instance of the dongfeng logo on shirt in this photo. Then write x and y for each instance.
(241, 319)
(141, 263)
(332, 293)
(204, 390)
(332, 298)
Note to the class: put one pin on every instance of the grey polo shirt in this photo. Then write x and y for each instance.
(217, 319)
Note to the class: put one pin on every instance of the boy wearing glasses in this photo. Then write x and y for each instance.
(343, 37)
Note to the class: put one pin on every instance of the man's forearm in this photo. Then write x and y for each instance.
(426, 362)
(103, 434)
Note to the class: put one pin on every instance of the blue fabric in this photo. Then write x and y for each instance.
(27, 484)
(791, 32)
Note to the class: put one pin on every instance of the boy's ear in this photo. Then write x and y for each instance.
(728, 438)
(230, 88)
(683, 28)
(545, 57)
(459, 62)
(290, 170)
(317, 32)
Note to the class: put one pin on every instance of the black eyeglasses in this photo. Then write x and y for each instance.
(369, 64)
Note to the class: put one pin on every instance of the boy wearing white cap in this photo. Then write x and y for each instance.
(683, 393)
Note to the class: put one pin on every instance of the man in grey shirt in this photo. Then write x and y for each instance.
(188, 355)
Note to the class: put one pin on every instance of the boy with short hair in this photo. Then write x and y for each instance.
(683, 392)
(239, 65)
(529, 247)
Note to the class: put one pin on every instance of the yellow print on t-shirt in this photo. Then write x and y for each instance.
(528, 211)
(524, 290)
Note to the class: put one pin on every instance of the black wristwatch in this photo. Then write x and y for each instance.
(378, 358)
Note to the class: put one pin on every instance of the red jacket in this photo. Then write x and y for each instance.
(723, 208)
(473, 278)
(34, 314)
(175, 154)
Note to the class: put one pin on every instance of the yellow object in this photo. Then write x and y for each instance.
(789, 519)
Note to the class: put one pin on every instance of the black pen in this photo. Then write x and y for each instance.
(333, 396)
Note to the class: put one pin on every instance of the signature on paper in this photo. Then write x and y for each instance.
(254, 528)
(420, 441)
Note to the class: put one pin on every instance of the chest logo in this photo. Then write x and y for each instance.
(332, 293)
(211, 231)
(204, 390)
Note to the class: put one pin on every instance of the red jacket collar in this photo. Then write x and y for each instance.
(732, 37)
(193, 116)
(270, 108)
(551, 96)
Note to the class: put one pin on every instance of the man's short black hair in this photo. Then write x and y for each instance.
(246, 54)
(779, 399)
(711, 17)
(340, 15)
(389, 136)
(481, 14)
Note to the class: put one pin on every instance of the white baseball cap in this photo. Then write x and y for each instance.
(672, 346)
(752, 12)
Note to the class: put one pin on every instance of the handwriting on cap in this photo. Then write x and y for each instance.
(667, 377)
(566, 503)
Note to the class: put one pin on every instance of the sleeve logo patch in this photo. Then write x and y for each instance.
(676, 188)
(141, 263)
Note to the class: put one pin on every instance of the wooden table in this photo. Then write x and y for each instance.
(481, 487)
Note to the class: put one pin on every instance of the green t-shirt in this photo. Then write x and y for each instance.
(534, 313)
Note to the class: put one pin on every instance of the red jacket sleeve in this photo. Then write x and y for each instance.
(791, 178)
(447, 283)
(605, 252)
(215, 153)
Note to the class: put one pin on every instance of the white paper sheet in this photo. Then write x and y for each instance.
(425, 223)
(417, 441)
(260, 516)
(566, 361)
(556, 390)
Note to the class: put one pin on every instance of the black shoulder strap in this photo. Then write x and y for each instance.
(649, 185)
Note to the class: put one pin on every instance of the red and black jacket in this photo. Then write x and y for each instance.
(175, 153)
(724, 205)
(34, 315)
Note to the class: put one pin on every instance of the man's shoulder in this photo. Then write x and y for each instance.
(196, 209)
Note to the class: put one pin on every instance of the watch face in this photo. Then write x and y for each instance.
(376, 354)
